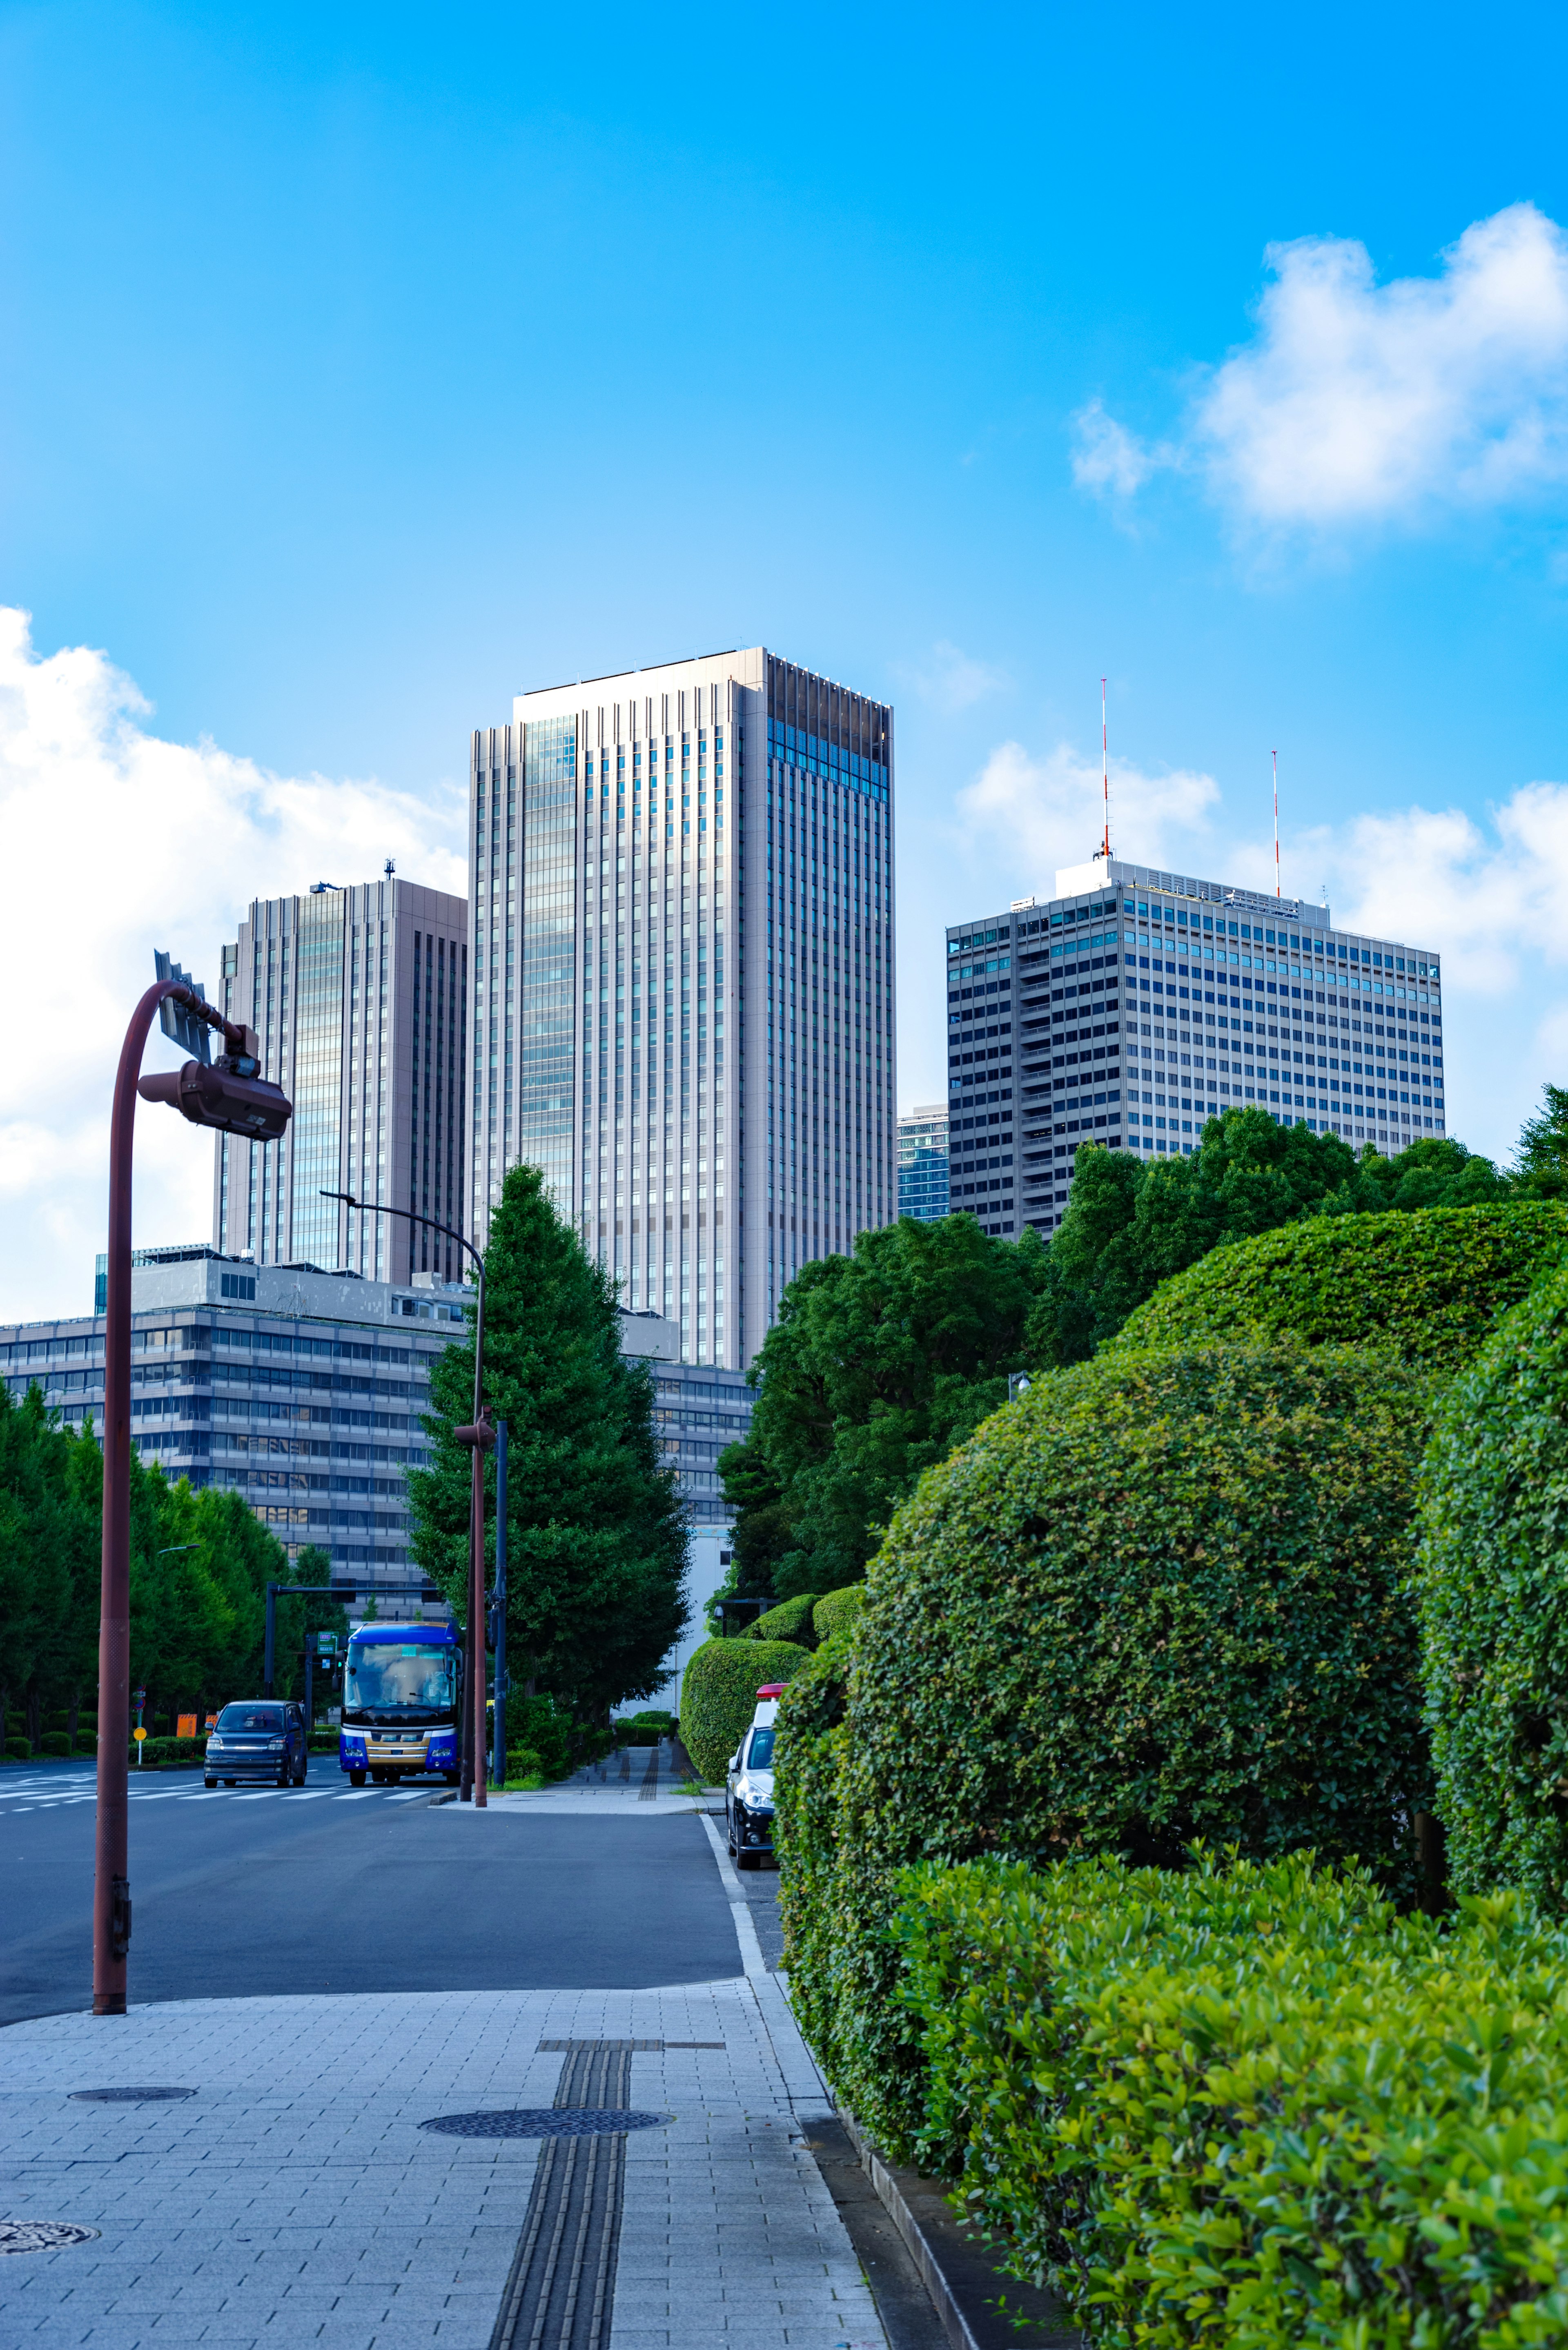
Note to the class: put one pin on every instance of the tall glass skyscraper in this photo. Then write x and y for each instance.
(682, 901)
(358, 997)
(923, 1163)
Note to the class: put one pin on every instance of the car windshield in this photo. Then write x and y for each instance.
(384, 1673)
(251, 1717)
(761, 1757)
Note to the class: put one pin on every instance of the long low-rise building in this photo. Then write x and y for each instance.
(305, 1391)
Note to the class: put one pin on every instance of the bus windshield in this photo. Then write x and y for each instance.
(386, 1673)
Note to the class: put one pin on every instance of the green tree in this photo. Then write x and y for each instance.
(1543, 1160)
(880, 1363)
(1131, 1223)
(595, 1543)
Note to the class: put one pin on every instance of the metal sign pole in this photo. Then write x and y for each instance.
(499, 1764)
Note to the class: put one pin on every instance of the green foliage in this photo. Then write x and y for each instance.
(1494, 1605)
(1543, 1164)
(814, 1905)
(1250, 2106)
(55, 1741)
(18, 1750)
(719, 1696)
(838, 1611)
(878, 1363)
(791, 1620)
(1131, 1223)
(596, 1546)
(546, 1730)
(1428, 1287)
(1161, 1596)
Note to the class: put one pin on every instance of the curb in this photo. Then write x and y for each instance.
(964, 2283)
(447, 1795)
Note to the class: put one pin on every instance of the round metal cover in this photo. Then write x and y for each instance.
(543, 2121)
(41, 2235)
(128, 2096)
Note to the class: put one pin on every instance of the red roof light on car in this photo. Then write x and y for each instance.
(772, 1688)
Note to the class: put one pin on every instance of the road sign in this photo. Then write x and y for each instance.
(189, 1032)
(139, 1734)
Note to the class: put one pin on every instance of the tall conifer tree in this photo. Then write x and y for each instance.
(597, 1546)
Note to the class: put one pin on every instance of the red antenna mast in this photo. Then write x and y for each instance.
(1276, 757)
(1105, 772)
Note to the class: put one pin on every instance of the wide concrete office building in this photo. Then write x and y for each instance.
(358, 997)
(681, 907)
(1137, 1003)
(303, 1391)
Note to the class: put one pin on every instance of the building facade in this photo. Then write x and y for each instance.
(1137, 1003)
(681, 907)
(358, 998)
(923, 1161)
(303, 1391)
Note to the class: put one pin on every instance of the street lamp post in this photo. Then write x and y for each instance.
(231, 1097)
(478, 1439)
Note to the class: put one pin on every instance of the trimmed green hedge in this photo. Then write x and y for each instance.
(1250, 2106)
(1163, 1595)
(1494, 1606)
(791, 1620)
(719, 1696)
(1429, 1285)
(838, 1610)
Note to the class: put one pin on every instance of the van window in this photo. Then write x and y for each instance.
(761, 1757)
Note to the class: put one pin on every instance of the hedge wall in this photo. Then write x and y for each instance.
(1254, 2107)
(1428, 1285)
(791, 1620)
(1161, 1596)
(719, 1695)
(1494, 1606)
(838, 1610)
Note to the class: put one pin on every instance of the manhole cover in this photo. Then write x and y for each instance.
(41, 2235)
(544, 2121)
(128, 2096)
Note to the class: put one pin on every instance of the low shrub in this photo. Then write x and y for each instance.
(1428, 1285)
(525, 1768)
(1161, 1596)
(1251, 2106)
(791, 1620)
(55, 1741)
(18, 1750)
(548, 1731)
(1494, 1594)
(86, 1742)
(719, 1695)
(807, 1761)
(168, 1754)
(838, 1611)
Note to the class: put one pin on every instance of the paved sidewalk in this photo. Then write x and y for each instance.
(294, 2200)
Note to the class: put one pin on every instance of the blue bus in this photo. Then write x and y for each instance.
(402, 1695)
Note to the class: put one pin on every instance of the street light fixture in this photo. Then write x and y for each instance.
(231, 1095)
(478, 1437)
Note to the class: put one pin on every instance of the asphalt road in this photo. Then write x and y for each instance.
(246, 1893)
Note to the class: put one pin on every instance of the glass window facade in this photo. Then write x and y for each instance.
(923, 1163)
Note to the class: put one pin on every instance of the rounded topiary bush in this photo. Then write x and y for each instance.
(55, 1741)
(1163, 1596)
(790, 1620)
(1493, 1596)
(838, 1610)
(719, 1695)
(1428, 1285)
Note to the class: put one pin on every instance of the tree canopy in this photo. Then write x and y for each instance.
(880, 1363)
(596, 1542)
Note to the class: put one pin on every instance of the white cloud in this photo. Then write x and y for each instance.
(116, 841)
(951, 680)
(1049, 812)
(1357, 403)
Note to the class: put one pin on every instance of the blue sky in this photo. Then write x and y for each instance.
(362, 367)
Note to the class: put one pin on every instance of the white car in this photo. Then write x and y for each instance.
(749, 1786)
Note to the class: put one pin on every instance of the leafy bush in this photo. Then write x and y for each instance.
(87, 1742)
(523, 1768)
(1428, 1285)
(719, 1695)
(168, 1753)
(1253, 2106)
(547, 1729)
(807, 1761)
(18, 1750)
(55, 1741)
(1163, 1595)
(1494, 1606)
(792, 1620)
(838, 1611)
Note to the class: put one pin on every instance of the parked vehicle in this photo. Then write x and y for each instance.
(261, 1739)
(749, 1783)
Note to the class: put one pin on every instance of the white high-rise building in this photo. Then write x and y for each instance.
(681, 910)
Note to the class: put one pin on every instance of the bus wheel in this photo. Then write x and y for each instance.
(356, 1778)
